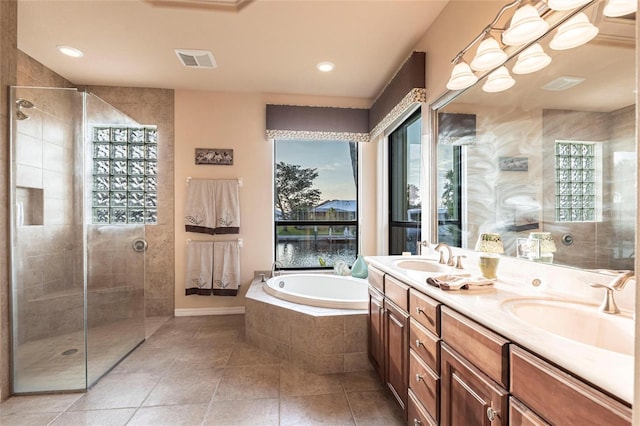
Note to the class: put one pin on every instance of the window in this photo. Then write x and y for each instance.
(577, 191)
(316, 203)
(124, 177)
(405, 205)
(449, 194)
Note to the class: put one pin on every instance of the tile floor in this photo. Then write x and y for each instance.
(200, 371)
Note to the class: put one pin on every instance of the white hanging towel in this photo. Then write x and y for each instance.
(226, 268)
(199, 278)
(212, 206)
(227, 205)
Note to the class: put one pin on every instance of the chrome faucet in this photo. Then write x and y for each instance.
(609, 306)
(274, 266)
(450, 259)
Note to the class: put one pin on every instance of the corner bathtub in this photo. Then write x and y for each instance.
(322, 290)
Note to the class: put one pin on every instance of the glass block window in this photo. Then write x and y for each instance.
(124, 177)
(578, 179)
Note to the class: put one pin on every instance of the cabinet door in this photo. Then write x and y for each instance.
(397, 352)
(521, 415)
(376, 331)
(468, 396)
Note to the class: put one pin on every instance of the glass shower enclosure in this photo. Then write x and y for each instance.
(77, 280)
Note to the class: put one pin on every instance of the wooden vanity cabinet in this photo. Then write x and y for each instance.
(424, 358)
(376, 331)
(389, 332)
(521, 415)
(473, 386)
(558, 397)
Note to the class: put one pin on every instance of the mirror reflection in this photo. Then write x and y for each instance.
(550, 163)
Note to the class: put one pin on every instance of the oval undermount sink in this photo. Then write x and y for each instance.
(423, 265)
(578, 321)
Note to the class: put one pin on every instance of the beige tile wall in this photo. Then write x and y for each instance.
(8, 51)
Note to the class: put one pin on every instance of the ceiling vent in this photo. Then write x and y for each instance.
(219, 5)
(196, 58)
(563, 83)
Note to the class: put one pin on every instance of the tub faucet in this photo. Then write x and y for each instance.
(274, 266)
(609, 306)
(450, 259)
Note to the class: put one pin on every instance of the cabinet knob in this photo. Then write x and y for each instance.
(416, 422)
(419, 310)
(418, 343)
(418, 377)
(491, 414)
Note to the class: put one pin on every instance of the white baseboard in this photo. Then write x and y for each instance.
(192, 312)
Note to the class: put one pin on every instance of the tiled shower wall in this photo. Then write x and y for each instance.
(146, 106)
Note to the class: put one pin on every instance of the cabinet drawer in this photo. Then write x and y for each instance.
(482, 347)
(417, 414)
(536, 382)
(397, 292)
(425, 345)
(376, 278)
(425, 310)
(425, 385)
(521, 415)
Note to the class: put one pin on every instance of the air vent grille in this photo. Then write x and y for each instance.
(196, 58)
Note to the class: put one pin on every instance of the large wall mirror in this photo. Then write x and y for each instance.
(549, 164)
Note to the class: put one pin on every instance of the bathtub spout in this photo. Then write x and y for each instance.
(274, 267)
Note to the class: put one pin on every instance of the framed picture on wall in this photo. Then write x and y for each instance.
(214, 156)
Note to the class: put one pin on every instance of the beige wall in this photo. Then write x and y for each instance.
(8, 51)
(237, 121)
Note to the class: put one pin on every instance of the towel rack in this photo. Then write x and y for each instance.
(238, 179)
(189, 240)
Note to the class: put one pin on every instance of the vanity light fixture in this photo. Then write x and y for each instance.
(526, 26)
(566, 4)
(461, 77)
(326, 66)
(488, 56)
(575, 32)
(70, 51)
(498, 81)
(617, 8)
(531, 59)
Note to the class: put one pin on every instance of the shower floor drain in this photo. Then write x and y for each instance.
(69, 352)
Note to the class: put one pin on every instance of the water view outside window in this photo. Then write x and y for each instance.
(405, 204)
(316, 203)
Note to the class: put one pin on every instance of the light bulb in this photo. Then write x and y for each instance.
(461, 77)
(488, 56)
(526, 26)
(575, 32)
(498, 81)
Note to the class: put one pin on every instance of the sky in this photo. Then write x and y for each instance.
(332, 161)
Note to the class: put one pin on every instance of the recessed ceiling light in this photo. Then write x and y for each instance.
(70, 51)
(326, 66)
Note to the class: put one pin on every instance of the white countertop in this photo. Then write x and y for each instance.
(608, 370)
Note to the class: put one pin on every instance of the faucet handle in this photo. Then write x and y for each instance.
(459, 261)
(441, 261)
(608, 305)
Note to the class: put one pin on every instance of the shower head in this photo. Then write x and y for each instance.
(24, 103)
(21, 115)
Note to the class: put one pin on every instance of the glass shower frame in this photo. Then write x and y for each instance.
(77, 289)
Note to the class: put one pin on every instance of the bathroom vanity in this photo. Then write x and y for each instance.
(464, 357)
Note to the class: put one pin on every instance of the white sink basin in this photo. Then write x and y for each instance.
(577, 321)
(423, 265)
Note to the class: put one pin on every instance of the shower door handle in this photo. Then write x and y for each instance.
(140, 245)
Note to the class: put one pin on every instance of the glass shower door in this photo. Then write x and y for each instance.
(77, 282)
(115, 236)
